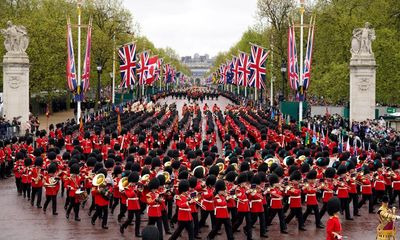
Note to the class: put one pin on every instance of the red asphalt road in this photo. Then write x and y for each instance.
(18, 220)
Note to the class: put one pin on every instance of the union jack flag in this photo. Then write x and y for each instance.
(235, 70)
(229, 73)
(71, 70)
(308, 58)
(86, 64)
(293, 67)
(222, 71)
(152, 72)
(244, 71)
(167, 73)
(127, 56)
(143, 67)
(257, 68)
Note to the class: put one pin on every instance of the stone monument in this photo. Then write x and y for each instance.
(362, 75)
(16, 74)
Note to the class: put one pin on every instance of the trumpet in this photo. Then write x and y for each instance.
(123, 184)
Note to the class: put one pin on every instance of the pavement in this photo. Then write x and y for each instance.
(18, 220)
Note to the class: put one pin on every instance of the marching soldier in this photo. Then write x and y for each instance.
(243, 207)
(310, 190)
(294, 193)
(37, 182)
(73, 186)
(154, 200)
(52, 186)
(133, 205)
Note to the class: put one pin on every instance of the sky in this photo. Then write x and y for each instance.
(193, 26)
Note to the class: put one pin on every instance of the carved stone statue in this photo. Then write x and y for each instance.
(362, 40)
(16, 38)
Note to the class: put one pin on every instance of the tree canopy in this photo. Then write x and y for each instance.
(335, 21)
(46, 20)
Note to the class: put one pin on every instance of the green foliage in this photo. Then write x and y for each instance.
(46, 20)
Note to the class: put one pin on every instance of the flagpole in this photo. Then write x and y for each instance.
(113, 78)
(272, 73)
(301, 59)
(78, 102)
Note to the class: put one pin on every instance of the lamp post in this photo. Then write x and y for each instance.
(283, 71)
(99, 70)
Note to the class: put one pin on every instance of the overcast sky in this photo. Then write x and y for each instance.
(193, 26)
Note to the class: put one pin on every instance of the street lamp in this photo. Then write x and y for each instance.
(99, 71)
(283, 71)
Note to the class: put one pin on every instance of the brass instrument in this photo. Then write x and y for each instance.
(99, 180)
(123, 184)
(166, 175)
(38, 178)
(221, 167)
(52, 181)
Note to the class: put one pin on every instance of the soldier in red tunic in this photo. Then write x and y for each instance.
(243, 207)
(18, 167)
(327, 187)
(102, 196)
(37, 175)
(333, 226)
(310, 190)
(207, 201)
(256, 205)
(52, 185)
(26, 178)
(294, 193)
(342, 190)
(366, 190)
(133, 205)
(154, 200)
(276, 206)
(74, 184)
(185, 219)
(221, 212)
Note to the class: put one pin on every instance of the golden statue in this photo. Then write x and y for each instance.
(386, 229)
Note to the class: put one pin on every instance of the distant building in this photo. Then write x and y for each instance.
(199, 64)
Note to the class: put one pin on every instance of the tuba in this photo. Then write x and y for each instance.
(144, 179)
(123, 184)
(270, 161)
(99, 180)
(221, 167)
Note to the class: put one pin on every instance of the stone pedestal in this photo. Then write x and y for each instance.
(16, 87)
(362, 87)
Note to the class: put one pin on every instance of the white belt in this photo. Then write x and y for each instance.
(397, 182)
(254, 201)
(132, 199)
(209, 201)
(293, 197)
(218, 207)
(311, 195)
(154, 205)
(185, 209)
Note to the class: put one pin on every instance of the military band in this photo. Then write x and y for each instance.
(169, 172)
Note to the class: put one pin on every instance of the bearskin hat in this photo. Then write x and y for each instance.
(330, 172)
(242, 178)
(333, 206)
(39, 162)
(183, 186)
(312, 174)
(220, 186)
(133, 177)
(154, 184)
(296, 176)
(74, 169)
(210, 180)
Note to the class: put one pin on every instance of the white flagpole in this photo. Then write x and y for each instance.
(272, 73)
(301, 58)
(113, 78)
(78, 107)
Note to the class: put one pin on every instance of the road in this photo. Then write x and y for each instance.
(18, 220)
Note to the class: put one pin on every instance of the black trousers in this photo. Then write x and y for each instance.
(103, 212)
(115, 204)
(195, 216)
(345, 206)
(157, 221)
(67, 201)
(233, 212)
(73, 205)
(2, 170)
(203, 217)
(164, 217)
(368, 198)
(354, 198)
(378, 196)
(92, 206)
(188, 225)
(389, 191)
(129, 220)
(322, 211)
(312, 208)
(298, 212)
(18, 184)
(36, 191)
(261, 217)
(170, 203)
(218, 223)
(281, 216)
(26, 189)
(239, 220)
(53, 200)
(394, 196)
(122, 210)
